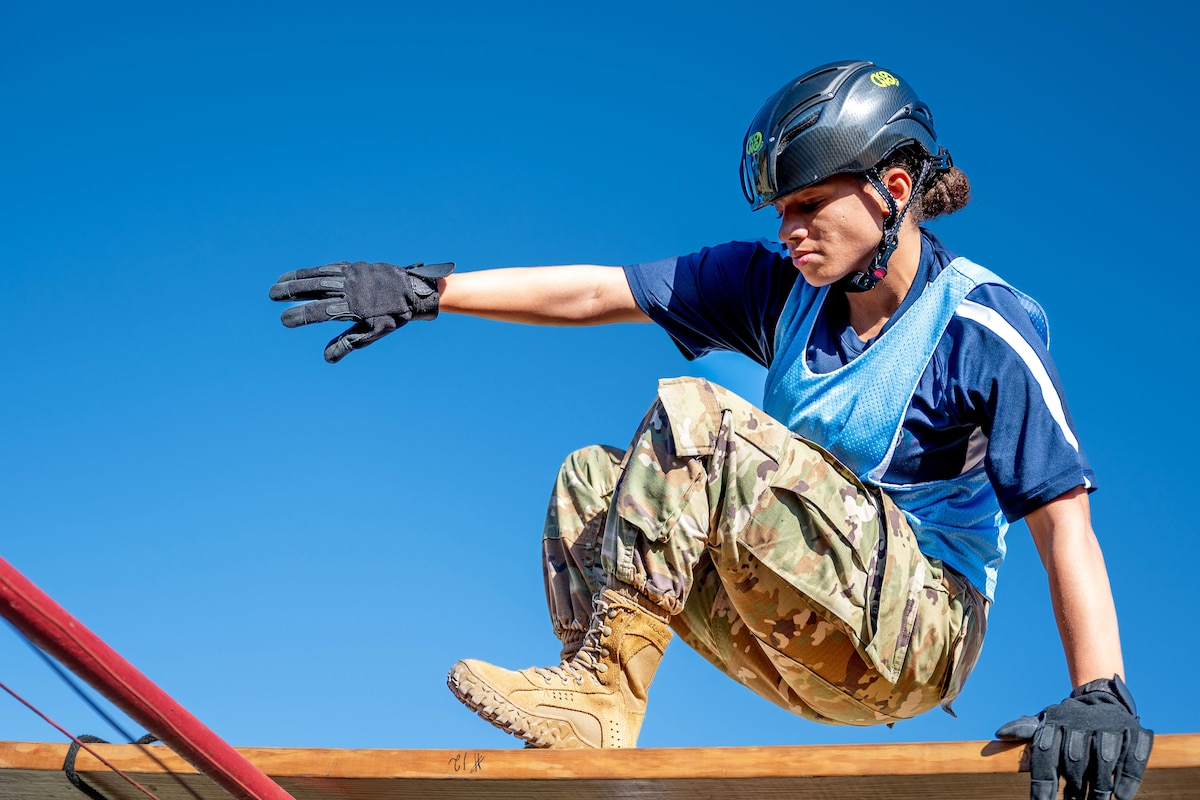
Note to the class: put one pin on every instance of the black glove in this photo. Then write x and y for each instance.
(1092, 739)
(378, 298)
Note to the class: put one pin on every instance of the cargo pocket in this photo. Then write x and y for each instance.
(845, 548)
(897, 596)
(967, 645)
(661, 474)
(675, 490)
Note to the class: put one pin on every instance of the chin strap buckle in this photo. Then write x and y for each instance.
(863, 281)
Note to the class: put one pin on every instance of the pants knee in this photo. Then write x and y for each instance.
(595, 465)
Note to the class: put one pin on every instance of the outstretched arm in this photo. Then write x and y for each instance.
(579, 294)
(379, 298)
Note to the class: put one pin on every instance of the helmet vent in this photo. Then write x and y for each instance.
(797, 129)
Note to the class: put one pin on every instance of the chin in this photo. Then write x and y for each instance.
(819, 280)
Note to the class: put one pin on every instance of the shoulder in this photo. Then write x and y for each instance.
(736, 257)
(729, 254)
(726, 264)
(996, 350)
(993, 308)
(725, 297)
(997, 331)
(1003, 311)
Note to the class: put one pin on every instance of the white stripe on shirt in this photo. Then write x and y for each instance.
(993, 321)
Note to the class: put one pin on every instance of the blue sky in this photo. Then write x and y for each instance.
(298, 552)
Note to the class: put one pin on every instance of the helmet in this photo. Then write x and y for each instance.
(843, 117)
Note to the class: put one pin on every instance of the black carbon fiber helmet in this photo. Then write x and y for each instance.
(844, 117)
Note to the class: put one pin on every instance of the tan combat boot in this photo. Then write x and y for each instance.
(596, 699)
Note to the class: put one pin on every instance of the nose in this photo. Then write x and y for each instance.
(792, 228)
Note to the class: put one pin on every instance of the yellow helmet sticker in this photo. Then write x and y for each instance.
(754, 143)
(884, 79)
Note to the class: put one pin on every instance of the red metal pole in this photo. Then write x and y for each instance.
(51, 628)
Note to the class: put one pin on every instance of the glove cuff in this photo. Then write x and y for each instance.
(1113, 686)
(423, 281)
(425, 297)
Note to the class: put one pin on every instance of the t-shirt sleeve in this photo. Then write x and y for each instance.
(1013, 390)
(727, 297)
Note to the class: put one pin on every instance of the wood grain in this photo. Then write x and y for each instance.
(976, 770)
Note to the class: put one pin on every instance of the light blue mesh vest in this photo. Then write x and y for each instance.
(856, 413)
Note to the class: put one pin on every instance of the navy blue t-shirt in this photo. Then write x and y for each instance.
(990, 393)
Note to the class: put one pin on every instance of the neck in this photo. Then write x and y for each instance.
(870, 311)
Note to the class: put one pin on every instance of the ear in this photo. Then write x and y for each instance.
(899, 184)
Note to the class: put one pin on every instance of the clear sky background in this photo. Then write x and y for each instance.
(298, 552)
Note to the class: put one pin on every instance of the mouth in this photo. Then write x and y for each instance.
(801, 257)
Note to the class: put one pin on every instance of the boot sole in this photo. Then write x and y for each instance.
(493, 707)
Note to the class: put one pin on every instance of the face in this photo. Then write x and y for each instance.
(831, 229)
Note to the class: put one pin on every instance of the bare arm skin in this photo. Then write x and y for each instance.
(580, 294)
(1079, 588)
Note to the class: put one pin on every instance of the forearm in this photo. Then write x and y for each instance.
(1079, 588)
(581, 294)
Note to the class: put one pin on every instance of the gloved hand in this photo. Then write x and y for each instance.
(1092, 739)
(378, 298)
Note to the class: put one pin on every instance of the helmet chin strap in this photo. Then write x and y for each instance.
(865, 281)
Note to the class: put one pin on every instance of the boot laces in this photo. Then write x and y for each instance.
(589, 660)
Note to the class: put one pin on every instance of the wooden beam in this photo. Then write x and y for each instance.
(978, 770)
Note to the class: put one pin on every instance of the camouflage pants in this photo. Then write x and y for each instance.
(774, 562)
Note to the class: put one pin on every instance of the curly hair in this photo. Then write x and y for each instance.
(942, 192)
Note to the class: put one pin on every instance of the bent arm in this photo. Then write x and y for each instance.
(580, 294)
(1079, 587)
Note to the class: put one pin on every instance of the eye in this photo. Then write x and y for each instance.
(803, 208)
